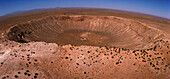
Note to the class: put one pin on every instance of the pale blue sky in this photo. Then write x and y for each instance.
(159, 8)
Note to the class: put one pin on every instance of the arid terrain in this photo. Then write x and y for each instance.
(84, 43)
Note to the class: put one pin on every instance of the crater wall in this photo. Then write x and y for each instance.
(98, 30)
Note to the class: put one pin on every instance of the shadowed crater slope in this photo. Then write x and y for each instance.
(86, 30)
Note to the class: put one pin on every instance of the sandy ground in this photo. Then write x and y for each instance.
(50, 61)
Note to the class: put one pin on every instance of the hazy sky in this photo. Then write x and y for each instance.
(159, 8)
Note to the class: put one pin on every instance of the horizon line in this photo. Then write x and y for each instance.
(36, 9)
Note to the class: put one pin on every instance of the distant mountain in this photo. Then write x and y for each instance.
(15, 12)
